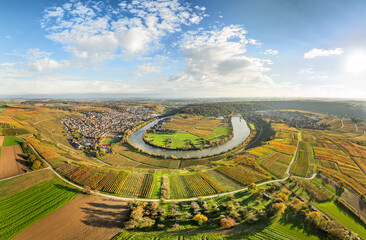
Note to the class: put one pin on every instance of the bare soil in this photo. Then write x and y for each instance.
(1, 140)
(85, 217)
(12, 161)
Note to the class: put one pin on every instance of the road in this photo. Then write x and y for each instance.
(168, 200)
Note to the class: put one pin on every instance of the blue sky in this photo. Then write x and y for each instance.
(206, 48)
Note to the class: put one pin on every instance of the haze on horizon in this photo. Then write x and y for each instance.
(171, 48)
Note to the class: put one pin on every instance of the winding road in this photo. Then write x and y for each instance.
(167, 200)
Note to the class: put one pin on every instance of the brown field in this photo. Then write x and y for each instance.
(1, 140)
(16, 185)
(11, 161)
(85, 217)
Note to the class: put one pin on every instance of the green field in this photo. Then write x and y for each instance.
(16, 185)
(25, 208)
(337, 214)
(12, 141)
(293, 230)
(110, 140)
(180, 139)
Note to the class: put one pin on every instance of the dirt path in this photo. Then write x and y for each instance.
(1, 140)
(342, 122)
(85, 217)
(12, 161)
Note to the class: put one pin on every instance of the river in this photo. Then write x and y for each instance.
(241, 132)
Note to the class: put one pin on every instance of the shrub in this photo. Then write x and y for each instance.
(227, 222)
(199, 218)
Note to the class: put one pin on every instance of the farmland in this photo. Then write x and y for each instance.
(84, 217)
(11, 161)
(189, 132)
(132, 173)
(302, 160)
(25, 208)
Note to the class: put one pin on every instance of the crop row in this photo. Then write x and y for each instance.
(198, 186)
(276, 157)
(218, 188)
(351, 182)
(283, 148)
(78, 173)
(354, 149)
(269, 234)
(259, 151)
(124, 235)
(133, 184)
(242, 174)
(179, 187)
(25, 208)
(147, 186)
(333, 155)
(313, 190)
(302, 160)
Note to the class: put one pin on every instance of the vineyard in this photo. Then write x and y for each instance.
(302, 160)
(23, 209)
(280, 147)
(242, 174)
(189, 185)
(121, 182)
(277, 163)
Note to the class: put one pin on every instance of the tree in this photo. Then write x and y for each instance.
(36, 165)
(138, 220)
(278, 208)
(227, 222)
(252, 187)
(199, 218)
(282, 196)
(195, 205)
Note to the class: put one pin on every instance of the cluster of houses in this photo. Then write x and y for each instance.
(88, 132)
(294, 119)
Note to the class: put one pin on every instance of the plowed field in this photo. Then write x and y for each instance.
(85, 217)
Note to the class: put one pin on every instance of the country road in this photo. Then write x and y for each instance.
(167, 200)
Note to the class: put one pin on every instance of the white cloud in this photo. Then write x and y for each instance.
(316, 52)
(271, 52)
(155, 65)
(47, 64)
(132, 29)
(307, 71)
(147, 68)
(216, 59)
(35, 60)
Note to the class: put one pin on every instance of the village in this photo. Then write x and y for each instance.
(294, 119)
(96, 131)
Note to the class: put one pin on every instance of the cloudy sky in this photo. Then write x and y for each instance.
(172, 48)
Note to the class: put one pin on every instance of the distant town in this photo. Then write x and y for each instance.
(294, 119)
